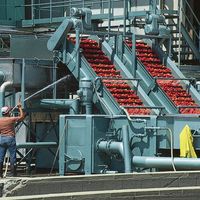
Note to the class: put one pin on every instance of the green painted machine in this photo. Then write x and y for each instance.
(101, 97)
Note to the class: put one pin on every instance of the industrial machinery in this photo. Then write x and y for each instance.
(116, 100)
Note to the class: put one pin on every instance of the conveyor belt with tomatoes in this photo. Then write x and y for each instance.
(173, 89)
(119, 89)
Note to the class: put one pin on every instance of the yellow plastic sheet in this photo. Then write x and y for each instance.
(186, 143)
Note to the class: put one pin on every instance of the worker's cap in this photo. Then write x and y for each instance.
(5, 110)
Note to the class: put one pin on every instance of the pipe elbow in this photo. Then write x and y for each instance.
(5, 85)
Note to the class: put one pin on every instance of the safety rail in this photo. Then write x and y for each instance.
(54, 12)
(189, 26)
(185, 31)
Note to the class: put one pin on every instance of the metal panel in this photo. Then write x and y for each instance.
(30, 47)
(81, 134)
(45, 156)
(11, 12)
(35, 75)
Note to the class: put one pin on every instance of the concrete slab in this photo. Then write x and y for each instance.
(27, 186)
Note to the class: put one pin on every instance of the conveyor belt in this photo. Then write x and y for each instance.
(172, 88)
(103, 67)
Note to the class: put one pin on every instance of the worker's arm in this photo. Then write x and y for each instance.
(21, 113)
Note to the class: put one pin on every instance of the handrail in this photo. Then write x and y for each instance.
(194, 17)
(189, 22)
(195, 36)
(192, 12)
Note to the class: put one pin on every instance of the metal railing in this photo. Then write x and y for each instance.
(191, 21)
(62, 8)
(187, 19)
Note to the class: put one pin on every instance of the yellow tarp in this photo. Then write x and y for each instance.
(186, 143)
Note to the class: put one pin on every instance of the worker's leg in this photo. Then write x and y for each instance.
(3, 148)
(12, 150)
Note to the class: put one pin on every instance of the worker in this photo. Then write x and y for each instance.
(7, 137)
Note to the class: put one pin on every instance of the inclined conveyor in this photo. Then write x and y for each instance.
(115, 91)
(161, 83)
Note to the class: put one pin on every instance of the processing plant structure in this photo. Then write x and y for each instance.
(103, 84)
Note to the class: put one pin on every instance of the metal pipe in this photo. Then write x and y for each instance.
(23, 82)
(32, 11)
(110, 147)
(125, 16)
(74, 108)
(88, 108)
(134, 67)
(127, 151)
(5, 85)
(179, 31)
(77, 29)
(171, 141)
(109, 16)
(153, 6)
(133, 120)
(122, 148)
(54, 75)
(2, 91)
(71, 104)
(166, 162)
(50, 10)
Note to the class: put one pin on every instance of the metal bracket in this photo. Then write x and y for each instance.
(152, 86)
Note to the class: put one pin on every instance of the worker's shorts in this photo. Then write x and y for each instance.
(8, 142)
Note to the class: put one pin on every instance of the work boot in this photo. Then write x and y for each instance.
(1, 170)
(13, 170)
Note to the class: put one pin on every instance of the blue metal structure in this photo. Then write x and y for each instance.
(78, 116)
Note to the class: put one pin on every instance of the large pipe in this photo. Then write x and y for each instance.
(2, 92)
(121, 148)
(110, 147)
(23, 82)
(72, 104)
(166, 162)
(127, 151)
(77, 47)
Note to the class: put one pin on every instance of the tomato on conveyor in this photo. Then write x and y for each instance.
(103, 67)
(173, 89)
